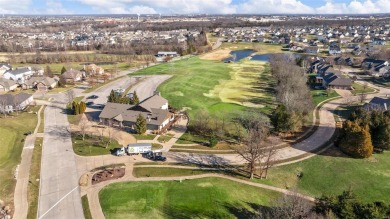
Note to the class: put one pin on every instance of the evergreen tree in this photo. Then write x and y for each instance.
(82, 107)
(48, 72)
(113, 97)
(381, 135)
(63, 70)
(62, 81)
(135, 98)
(355, 140)
(76, 109)
(140, 125)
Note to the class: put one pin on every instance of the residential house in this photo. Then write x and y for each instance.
(10, 103)
(311, 49)
(378, 103)
(167, 54)
(72, 76)
(334, 49)
(154, 109)
(40, 83)
(93, 69)
(19, 74)
(7, 85)
(336, 81)
(4, 68)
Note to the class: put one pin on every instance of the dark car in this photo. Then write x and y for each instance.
(92, 97)
(159, 158)
(89, 103)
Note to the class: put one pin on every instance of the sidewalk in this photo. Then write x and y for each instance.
(22, 179)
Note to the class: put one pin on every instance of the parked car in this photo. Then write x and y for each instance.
(93, 97)
(160, 158)
(89, 103)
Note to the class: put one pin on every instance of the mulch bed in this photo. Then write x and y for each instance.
(108, 174)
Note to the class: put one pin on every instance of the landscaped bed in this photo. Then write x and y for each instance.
(203, 198)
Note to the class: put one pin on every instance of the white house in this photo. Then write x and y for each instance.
(4, 68)
(19, 74)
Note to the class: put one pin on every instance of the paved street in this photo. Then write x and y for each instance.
(147, 87)
(59, 193)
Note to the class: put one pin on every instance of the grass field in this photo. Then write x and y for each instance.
(86, 210)
(144, 137)
(332, 173)
(261, 48)
(203, 81)
(33, 186)
(199, 198)
(165, 172)
(92, 146)
(321, 95)
(358, 88)
(164, 138)
(12, 137)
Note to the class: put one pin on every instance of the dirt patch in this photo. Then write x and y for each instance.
(108, 174)
(218, 54)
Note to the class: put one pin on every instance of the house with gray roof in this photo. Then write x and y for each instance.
(40, 83)
(19, 74)
(4, 68)
(336, 81)
(378, 103)
(7, 85)
(154, 109)
(10, 103)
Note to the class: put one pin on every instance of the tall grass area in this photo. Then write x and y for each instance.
(193, 80)
(333, 172)
(198, 198)
(12, 137)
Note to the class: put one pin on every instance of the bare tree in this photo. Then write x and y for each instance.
(84, 126)
(269, 154)
(70, 95)
(111, 132)
(3, 105)
(363, 94)
(253, 149)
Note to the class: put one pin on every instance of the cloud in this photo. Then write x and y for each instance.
(355, 7)
(274, 7)
(164, 6)
(14, 7)
(56, 7)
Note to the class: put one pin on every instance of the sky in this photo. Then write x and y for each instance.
(61, 7)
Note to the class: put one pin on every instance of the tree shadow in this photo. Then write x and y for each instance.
(253, 211)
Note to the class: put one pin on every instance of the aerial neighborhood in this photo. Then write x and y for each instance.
(169, 115)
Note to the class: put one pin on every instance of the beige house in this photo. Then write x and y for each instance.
(7, 85)
(93, 69)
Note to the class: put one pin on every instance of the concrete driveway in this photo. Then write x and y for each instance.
(147, 87)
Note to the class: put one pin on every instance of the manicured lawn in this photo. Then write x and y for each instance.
(321, 95)
(144, 137)
(87, 211)
(199, 198)
(210, 83)
(33, 186)
(92, 145)
(42, 125)
(165, 172)
(219, 146)
(358, 88)
(164, 138)
(203, 152)
(188, 138)
(156, 146)
(12, 137)
(332, 173)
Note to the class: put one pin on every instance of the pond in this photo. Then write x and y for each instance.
(237, 55)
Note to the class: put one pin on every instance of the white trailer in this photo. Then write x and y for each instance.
(139, 148)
